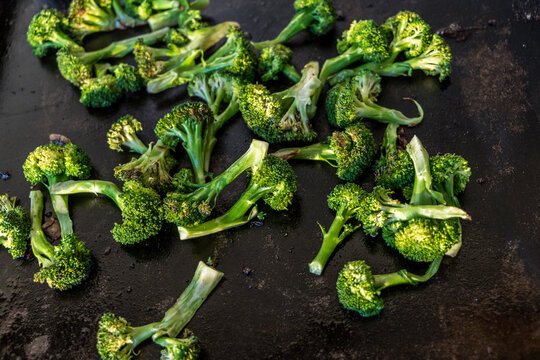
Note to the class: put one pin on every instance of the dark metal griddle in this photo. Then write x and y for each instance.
(484, 304)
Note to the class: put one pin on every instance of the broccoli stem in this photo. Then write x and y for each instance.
(164, 19)
(319, 151)
(300, 21)
(61, 208)
(403, 277)
(41, 248)
(135, 144)
(291, 72)
(439, 212)
(423, 193)
(385, 68)
(371, 110)
(389, 143)
(89, 186)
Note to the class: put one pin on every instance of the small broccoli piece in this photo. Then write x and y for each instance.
(90, 16)
(435, 60)
(285, 115)
(47, 30)
(354, 99)
(351, 151)
(127, 78)
(182, 181)
(346, 201)
(123, 17)
(14, 226)
(451, 174)
(273, 180)
(141, 208)
(178, 13)
(186, 347)
(188, 206)
(100, 92)
(123, 132)
(236, 56)
(274, 60)
(317, 15)
(117, 339)
(140, 9)
(409, 33)
(62, 266)
(359, 290)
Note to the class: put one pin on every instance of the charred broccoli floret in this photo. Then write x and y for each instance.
(14, 226)
(274, 60)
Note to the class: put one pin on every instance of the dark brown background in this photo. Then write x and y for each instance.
(484, 304)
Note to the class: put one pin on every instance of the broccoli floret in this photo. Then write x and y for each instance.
(178, 13)
(14, 226)
(182, 181)
(127, 78)
(123, 132)
(90, 16)
(273, 180)
(451, 174)
(141, 9)
(285, 115)
(359, 290)
(100, 92)
(47, 30)
(185, 347)
(62, 266)
(274, 60)
(117, 339)
(351, 151)
(345, 200)
(317, 15)
(191, 208)
(236, 56)
(409, 33)
(355, 99)
(141, 207)
(435, 60)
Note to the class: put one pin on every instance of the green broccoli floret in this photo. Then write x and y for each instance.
(351, 151)
(236, 56)
(178, 13)
(47, 30)
(354, 99)
(123, 132)
(359, 290)
(127, 78)
(14, 226)
(409, 33)
(192, 207)
(273, 180)
(140, 9)
(185, 347)
(91, 16)
(117, 339)
(451, 174)
(284, 115)
(141, 207)
(62, 266)
(274, 60)
(345, 200)
(317, 15)
(100, 92)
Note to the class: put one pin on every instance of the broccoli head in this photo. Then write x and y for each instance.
(185, 347)
(274, 60)
(14, 226)
(409, 33)
(123, 132)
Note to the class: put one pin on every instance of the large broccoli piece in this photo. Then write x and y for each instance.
(317, 15)
(274, 60)
(285, 115)
(350, 151)
(191, 208)
(354, 99)
(359, 290)
(62, 266)
(14, 226)
(236, 56)
(141, 208)
(273, 180)
(345, 200)
(48, 30)
(117, 339)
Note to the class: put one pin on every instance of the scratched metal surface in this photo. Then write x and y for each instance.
(483, 304)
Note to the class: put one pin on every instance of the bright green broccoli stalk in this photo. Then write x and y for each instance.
(352, 100)
(346, 201)
(123, 132)
(236, 56)
(14, 226)
(285, 115)
(351, 151)
(317, 15)
(117, 339)
(219, 90)
(91, 16)
(274, 60)
(179, 13)
(62, 266)
(48, 30)
(185, 347)
(191, 208)
(359, 290)
(273, 180)
(141, 208)
(409, 33)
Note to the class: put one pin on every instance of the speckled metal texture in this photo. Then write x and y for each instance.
(483, 304)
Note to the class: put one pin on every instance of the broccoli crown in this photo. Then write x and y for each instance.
(191, 20)
(435, 60)
(181, 210)
(127, 78)
(424, 239)
(410, 33)
(356, 289)
(371, 214)
(354, 149)
(142, 214)
(114, 338)
(396, 171)
(15, 226)
(186, 347)
(366, 37)
(141, 9)
(123, 131)
(100, 91)
(272, 60)
(278, 177)
(450, 168)
(69, 267)
(72, 68)
(324, 16)
(183, 123)
(348, 196)
(47, 30)
(53, 162)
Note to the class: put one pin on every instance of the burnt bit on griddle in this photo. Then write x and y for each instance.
(480, 180)
(454, 31)
(51, 228)
(212, 261)
(59, 139)
(401, 140)
(4, 175)
(246, 271)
